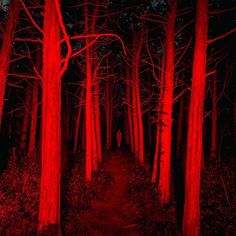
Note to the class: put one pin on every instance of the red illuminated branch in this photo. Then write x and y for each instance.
(184, 51)
(17, 109)
(154, 15)
(23, 76)
(99, 63)
(180, 94)
(17, 59)
(147, 101)
(66, 37)
(183, 11)
(14, 85)
(228, 76)
(184, 26)
(23, 29)
(37, 73)
(99, 36)
(183, 69)
(31, 18)
(28, 40)
(85, 4)
(216, 57)
(151, 20)
(84, 48)
(152, 63)
(221, 36)
(210, 73)
(222, 11)
(36, 7)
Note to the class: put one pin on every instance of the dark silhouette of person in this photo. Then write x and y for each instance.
(118, 138)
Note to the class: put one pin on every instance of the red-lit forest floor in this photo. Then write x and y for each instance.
(115, 214)
(119, 201)
(124, 207)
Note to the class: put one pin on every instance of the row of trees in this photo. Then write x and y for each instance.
(54, 48)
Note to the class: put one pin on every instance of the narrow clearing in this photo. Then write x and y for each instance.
(116, 215)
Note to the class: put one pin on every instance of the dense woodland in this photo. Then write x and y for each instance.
(117, 117)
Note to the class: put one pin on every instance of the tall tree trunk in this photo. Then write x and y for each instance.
(139, 106)
(34, 117)
(76, 138)
(108, 110)
(166, 134)
(94, 144)
(96, 97)
(214, 119)
(135, 120)
(136, 101)
(24, 131)
(126, 130)
(159, 125)
(49, 209)
(5, 51)
(34, 108)
(97, 121)
(129, 112)
(191, 219)
(140, 125)
(88, 102)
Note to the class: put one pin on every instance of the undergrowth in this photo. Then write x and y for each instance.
(218, 200)
(153, 219)
(79, 196)
(19, 197)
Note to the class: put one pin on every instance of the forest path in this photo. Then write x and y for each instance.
(116, 215)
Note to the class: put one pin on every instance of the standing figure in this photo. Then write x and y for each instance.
(118, 138)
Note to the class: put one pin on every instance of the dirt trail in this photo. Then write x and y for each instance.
(115, 215)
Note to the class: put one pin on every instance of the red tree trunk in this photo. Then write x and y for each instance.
(49, 209)
(157, 151)
(191, 218)
(24, 131)
(165, 154)
(88, 103)
(96, 99)
(126, 130)
(97, 122)
(34, 108)
(139, 115)
(5, 51)
(94, 144)
(108, 110)
(136, 101)
(158, 125)
(34, 117)
(135, 121)
(76, 138)
(129, 112)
